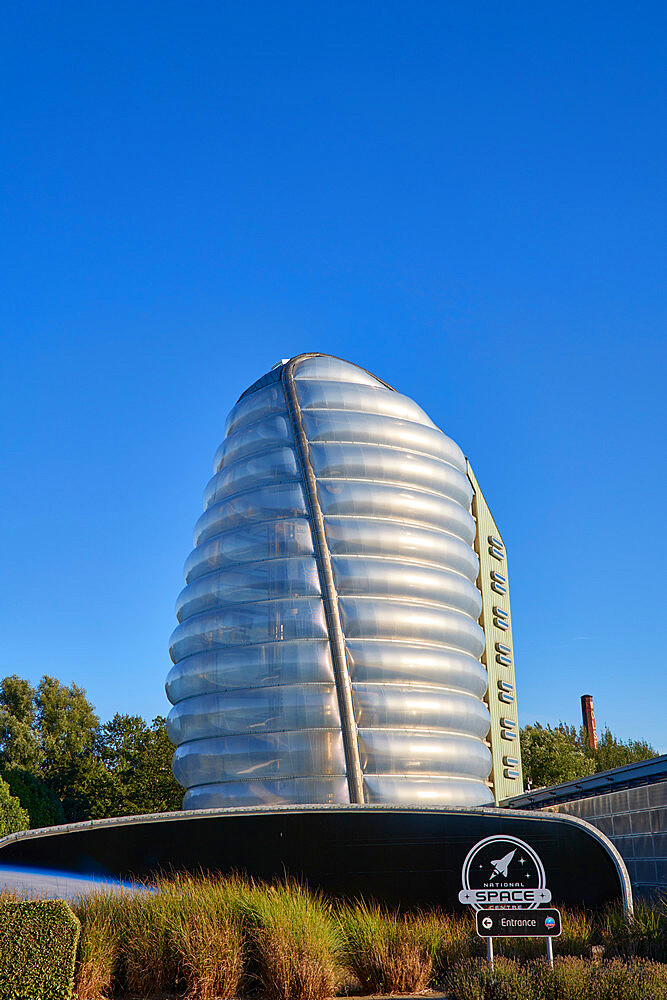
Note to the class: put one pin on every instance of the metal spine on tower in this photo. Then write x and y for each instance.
(328, 646)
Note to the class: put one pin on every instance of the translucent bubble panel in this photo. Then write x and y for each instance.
(328, 645)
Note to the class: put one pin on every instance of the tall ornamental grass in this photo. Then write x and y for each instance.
(149, 958)
(207, 939)
(389, 952)
(100, 915)
(294, 942)
(213, 939)
(578, 935)
(642, 936)
(184, 936)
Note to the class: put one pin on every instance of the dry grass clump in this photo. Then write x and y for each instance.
(577, 933)
(451, 939)
(100, 915)
(389, 952)
(208, 940)
(294, 942)
(186, 936)
(150, 961)
(183, 935)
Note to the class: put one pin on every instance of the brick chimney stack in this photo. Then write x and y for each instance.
(588, 716)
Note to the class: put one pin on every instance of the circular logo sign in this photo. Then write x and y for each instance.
(550, 923)
(503, 871)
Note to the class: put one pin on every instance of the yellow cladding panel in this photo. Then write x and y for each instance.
(498, 658)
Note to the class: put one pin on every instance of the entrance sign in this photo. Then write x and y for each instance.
(518, 923)
(504, 881)
(503, 871)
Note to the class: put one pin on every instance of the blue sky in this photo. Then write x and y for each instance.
(468, 200)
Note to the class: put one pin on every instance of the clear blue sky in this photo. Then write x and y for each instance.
(469, 200)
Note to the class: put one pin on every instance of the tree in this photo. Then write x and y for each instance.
(137, 768)
(12, 817)
(612, 752)
(68, 729)
(552, 755)
(42, 805)
(19, 737)
(63, 765)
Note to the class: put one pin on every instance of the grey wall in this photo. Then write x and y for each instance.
(635, 820)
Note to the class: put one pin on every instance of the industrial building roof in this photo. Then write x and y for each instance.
(645, 772)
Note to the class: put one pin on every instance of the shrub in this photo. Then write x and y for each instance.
(572, 978)
(43, 806)
(467, 980)
(638, 980)
(12, 816)
(508, 980)
(38, 940)
(389, 953)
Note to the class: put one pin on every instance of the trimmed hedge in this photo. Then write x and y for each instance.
(38, 941)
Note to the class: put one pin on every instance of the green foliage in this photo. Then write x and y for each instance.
(19, 741)
(551, 755)
(43, 806)
(49, 731)
(612, 752)
(64, 765)
(136, 762)
(67, 725)
(38, 941)
(554, 754)
(12, 816)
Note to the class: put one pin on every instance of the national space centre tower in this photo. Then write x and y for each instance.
(344, 634)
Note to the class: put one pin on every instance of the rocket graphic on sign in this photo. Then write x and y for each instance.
(502, 864)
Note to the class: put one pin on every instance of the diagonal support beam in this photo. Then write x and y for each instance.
(329, 593)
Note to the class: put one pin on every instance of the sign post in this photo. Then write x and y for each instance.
(504, 881)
